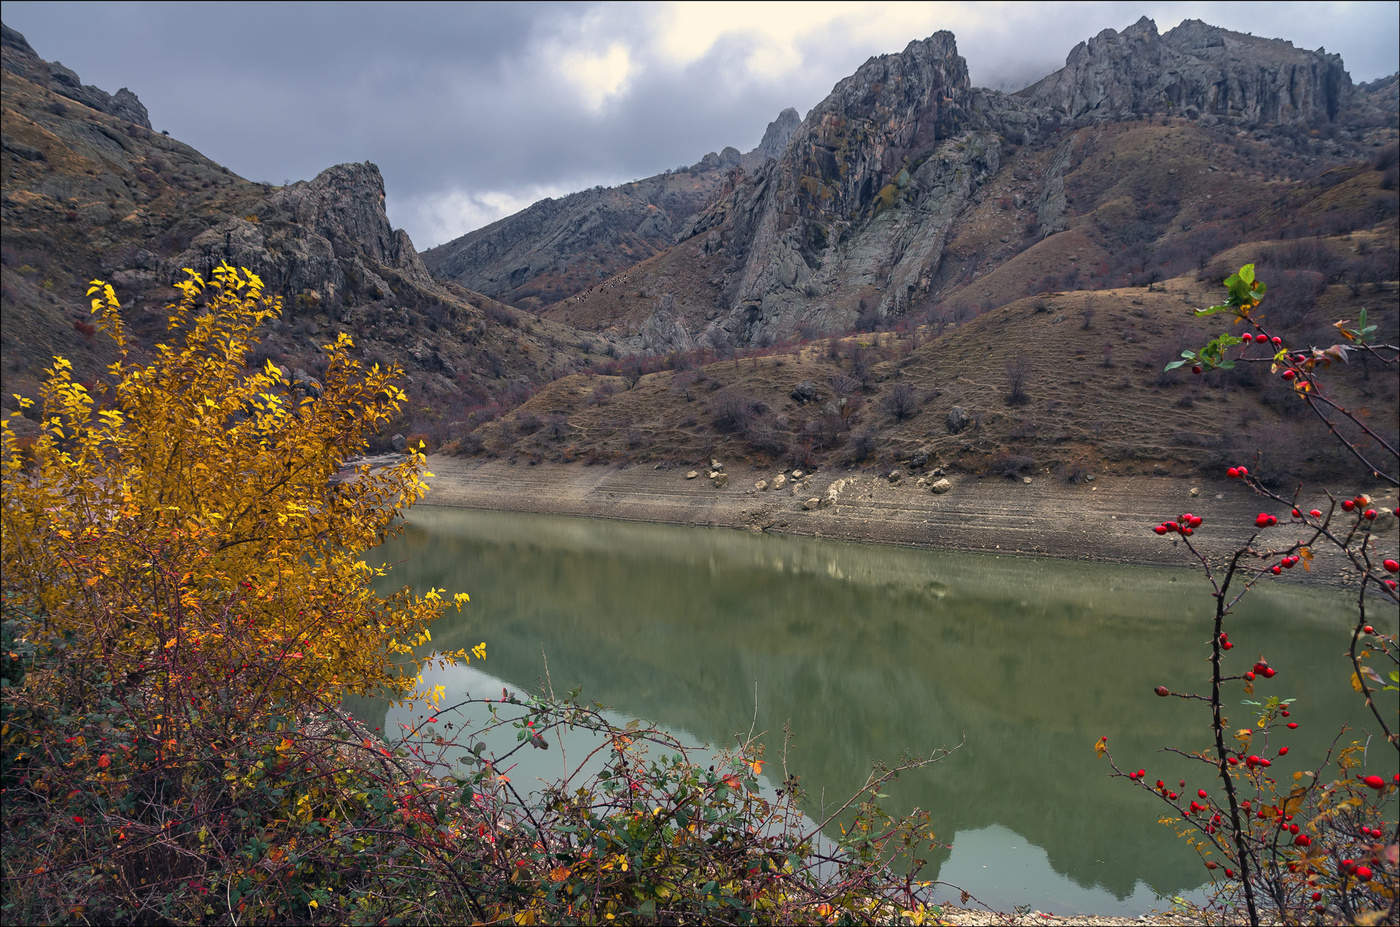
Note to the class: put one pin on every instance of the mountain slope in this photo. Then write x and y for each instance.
(906, 186)
(556, 248)
(91, 191)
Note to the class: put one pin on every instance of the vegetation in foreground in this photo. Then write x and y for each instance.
(184, 606)
(1323, 846)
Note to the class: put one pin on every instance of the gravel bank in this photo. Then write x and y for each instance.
(1108, 519)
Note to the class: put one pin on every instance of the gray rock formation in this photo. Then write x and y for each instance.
(855, 214)
(325, 242)
(21, 59)
(775, 140)
(1195, 69)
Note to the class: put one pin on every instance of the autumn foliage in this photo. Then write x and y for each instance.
(188, 517)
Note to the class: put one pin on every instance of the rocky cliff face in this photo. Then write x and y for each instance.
(1195, 70)
(325, 242)
(559, 247)
(852, 217)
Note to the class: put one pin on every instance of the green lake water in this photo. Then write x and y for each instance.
(869, 652)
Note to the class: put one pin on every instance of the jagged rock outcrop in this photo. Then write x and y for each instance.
(775, 140)
(326, 242)
(852, 218)
(559, 247)
(19, 58)
(1195, 69)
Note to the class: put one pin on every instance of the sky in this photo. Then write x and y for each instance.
(474, 111)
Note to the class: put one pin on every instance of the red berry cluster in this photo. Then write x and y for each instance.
(1237, 473)
(1264, 520)
(1185, 524)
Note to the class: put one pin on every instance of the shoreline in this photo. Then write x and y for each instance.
(1109, 519)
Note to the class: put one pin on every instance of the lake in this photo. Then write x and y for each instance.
(869, 652)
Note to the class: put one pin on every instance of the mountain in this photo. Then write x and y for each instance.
(91, 191)
(556, 248)
(1055, 239)
(906, 191)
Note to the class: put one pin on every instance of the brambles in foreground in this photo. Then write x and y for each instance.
(183, 606)
(1313, 848)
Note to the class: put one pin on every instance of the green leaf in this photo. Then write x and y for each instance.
(1247, 273)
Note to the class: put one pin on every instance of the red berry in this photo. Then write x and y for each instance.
(1246, 337)
(1229, 873)
(1292, 725)
(1392, 566)
(1187, 531)
(1369, 514)
(1297, 514)
(1284, 712)
(1249, 677)
(1375, 782)
(1302, 840)
(1289, 374)
(1277, 341)
(1141, 773)
(1262, 520)
(1283, 751)
(1269, 672)
(1317, 896)
(1201, 792)
(1233, 473)
(1315, 513)
(1172, 796)
(1244, 471)
(1363, 873)
(1369, 630)
(1276, 570)
(1160, 529)
(1161, 785)
(1196, 368)
(1196, 521)
(1226, 645)
(1348, 505)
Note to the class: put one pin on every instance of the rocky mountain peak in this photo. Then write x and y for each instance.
(1195, 70)
(328, 236)
(775, 139)
(19, 58)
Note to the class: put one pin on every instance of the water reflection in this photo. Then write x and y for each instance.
(867, 652)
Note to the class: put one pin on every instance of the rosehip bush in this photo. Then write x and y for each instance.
(1324, 844)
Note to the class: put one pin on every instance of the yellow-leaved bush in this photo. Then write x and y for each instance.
(191, 518)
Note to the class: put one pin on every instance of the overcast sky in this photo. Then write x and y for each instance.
(474, 111)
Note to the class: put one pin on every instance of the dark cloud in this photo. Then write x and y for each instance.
(472, 110)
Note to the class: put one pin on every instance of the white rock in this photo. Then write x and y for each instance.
(778, 481)
(760, 485)
(1195, 491)
(797, 474)
(1026, 480)
(811, 503)
(941, 486)
(691, 474)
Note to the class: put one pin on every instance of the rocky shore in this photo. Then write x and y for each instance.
(1107, 518)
